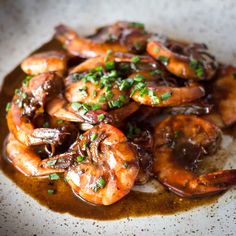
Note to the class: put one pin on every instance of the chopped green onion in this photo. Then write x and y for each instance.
(79, 158)
(95, 107)
(135, 59)
(165, 96)
(76, 106)
(126, 165)
(109, 94)
(133, 131)
(163, 59)
(99, 69)
(126, 84)
(102, 99)
(59, 122)
(198, 67)
(46, 125)
(137, 25)
(139, 78)
(94, 93)
(76, 76)
(51, 191)
(85, 145)
(156, 49)
(99, 184)
(51, 162)
(93, 136)
(110, 65)
(8, 106)
(101, 117)
(177, 134)
(109, 52)
(54, 176)
(157, 72)
(25, 82)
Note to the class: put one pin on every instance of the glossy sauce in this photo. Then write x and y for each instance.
(64, 201)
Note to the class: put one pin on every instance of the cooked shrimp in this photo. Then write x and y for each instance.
(224, 94)
(104, 167)
(45, 62)
(152, 94)
(132, 35)
(179, 142)
(26, 102)
(26, 160)
(83, 47)
(187, 62)
(76, 112)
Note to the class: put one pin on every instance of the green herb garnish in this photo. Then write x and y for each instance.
(165, 96)
(79, 158)
(51, 162)
(101, 117)
(93, 137)
(163, 59)
(54, 176)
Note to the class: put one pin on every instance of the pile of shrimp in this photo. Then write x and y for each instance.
(121, 107)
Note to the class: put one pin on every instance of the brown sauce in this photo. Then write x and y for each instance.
(64, 201)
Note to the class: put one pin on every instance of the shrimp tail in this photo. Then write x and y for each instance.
(208, 184)
(64, 33)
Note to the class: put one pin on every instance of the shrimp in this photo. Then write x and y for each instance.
(45, 62)
(179, 142)
(26, 160)
(151, 94)
(104, 167)
(224, 94)
(132, 35)
(27, 103)
(187, 62)
(76, 112)
(83, 47)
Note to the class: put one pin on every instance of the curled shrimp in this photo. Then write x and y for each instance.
(75, 112)
(187, 62)
(179, 142)
(26, 160)
(45, 62)
(150, 93)
(104, 165)
(27, 102)
(83, 47)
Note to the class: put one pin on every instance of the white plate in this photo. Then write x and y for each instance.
(25, 25)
